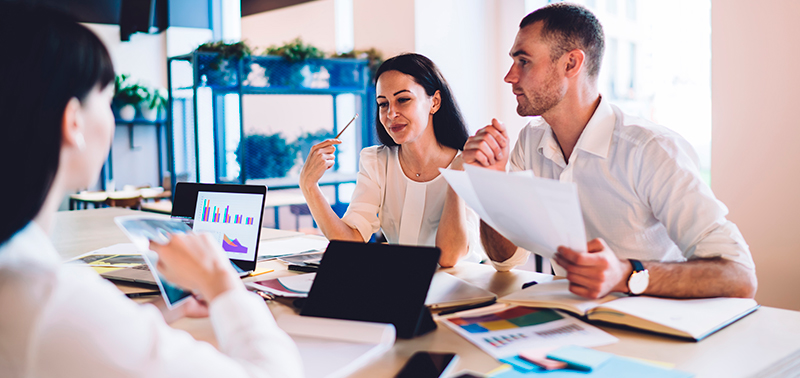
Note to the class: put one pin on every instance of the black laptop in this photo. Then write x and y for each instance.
(231, 213)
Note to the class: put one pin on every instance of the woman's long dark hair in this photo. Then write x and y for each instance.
(48, 59)
(448, 124)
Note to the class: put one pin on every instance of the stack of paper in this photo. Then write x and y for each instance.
(336, 348)
(534, 213)
(272, 248)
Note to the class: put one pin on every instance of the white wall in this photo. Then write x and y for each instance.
(458, 36)
(313, 21)
(144, 58)
(755, 162)
(508, 15)
(387, 25)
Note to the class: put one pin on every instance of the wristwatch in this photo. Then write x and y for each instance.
(640, 277)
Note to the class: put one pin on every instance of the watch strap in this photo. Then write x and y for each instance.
(637, 265)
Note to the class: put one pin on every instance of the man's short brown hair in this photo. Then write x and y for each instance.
(568, 27)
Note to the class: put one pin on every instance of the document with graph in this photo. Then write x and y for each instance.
(534, 213)
(503, 330)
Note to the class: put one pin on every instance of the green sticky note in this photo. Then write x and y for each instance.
(580, 358)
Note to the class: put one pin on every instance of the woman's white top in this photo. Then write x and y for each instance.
(65, 321)
(408, 212)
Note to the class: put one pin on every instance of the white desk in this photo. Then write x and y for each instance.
(765, 343)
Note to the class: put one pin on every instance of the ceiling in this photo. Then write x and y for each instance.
(257, 6)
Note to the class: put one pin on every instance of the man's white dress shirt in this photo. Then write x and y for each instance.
(639, 188)
(65, 321)
(407, 211)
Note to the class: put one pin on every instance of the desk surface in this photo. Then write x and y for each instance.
(766, 343)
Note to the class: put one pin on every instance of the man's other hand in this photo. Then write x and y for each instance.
(489, 147)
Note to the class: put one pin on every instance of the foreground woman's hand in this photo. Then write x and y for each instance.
(195, 262)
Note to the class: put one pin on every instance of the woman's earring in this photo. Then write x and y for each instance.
(80, 142)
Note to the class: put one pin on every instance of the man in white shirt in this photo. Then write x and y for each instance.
(658, 228)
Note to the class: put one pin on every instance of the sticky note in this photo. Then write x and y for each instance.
(580, 358)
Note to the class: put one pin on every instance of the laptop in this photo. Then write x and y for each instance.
(233, 214)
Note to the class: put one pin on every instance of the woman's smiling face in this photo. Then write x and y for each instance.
(405, 110)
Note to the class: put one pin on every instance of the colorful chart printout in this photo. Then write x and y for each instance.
(508, 319)
(505, 331)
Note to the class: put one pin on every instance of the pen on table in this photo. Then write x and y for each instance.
(468, 307)
(142, 294)
(260, 273)
(529, 284)
(303, 268)
(345, 126)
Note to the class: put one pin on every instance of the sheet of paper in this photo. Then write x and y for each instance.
(534, 213)
(268, 249)
(459, 181)
(506, 332)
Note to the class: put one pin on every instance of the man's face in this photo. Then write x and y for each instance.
(534, 76)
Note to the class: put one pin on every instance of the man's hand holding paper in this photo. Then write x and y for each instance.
(534, 213)
(594, 274)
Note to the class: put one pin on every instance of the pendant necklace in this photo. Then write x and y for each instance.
(401, 157)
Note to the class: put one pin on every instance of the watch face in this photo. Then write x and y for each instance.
(637, 284)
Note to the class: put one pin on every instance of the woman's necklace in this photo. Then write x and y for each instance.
(407, 165)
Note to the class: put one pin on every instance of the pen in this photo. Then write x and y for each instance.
(529, 284)
(142, 294)
(260, 273)
(345, 126)
(468, 307)
(303, 268)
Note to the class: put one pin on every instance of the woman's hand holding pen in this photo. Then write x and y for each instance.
(321, 158)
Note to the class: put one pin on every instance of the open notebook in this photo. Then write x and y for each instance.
(693, 319)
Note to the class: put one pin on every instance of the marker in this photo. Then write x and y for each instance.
(260, 273)
(303, 268)
(142, 294)
(345, 126)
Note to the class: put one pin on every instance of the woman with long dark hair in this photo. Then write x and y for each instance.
(62, 321)
(400, 190)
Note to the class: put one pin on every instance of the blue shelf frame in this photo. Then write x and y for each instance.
(360, 85)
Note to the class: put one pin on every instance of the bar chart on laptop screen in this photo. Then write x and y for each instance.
(233, 219)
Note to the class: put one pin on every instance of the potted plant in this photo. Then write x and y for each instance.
(127, 96)
(155, 101)
(266, 156)
(221, 68)
(302, 65)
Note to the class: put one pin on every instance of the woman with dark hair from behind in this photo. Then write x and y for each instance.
(400, 190)
(57, 320)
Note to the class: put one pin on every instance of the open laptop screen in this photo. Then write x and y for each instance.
(231, 213)
(233, 219)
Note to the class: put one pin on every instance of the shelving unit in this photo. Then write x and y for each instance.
(107, 172)
(190, 124)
